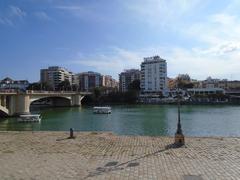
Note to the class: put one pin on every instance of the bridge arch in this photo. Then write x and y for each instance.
(56, 101)
(15, 103)
(3, 111)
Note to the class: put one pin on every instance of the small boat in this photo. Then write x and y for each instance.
(102, 110)
(29, 118)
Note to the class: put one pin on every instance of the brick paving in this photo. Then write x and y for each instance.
(50, 155)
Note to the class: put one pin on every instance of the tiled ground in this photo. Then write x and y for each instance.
(50, 155)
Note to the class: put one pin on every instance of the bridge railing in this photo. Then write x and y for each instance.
(55, 92)
(14, 91)
(9, 90)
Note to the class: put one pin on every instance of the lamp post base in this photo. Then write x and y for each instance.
(179, 139)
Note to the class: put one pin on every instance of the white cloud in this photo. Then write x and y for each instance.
(197, 64)
(111, 62)
(216, 37)
(219, 50)
(160, 12)
(87, 13)
(6, 21)
(16, 11)
(217, 29)
(12, 15)
(200, 65)
(43, 16)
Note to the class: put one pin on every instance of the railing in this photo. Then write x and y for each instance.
(55, 92)
(8, 92)
(11, 91)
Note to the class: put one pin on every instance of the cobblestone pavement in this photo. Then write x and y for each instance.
(50, 155)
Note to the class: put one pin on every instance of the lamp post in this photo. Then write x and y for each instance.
(179, 137)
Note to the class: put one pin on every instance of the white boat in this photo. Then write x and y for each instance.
(102, 110)
(29, 118)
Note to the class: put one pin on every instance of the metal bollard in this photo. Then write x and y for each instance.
(71, 133)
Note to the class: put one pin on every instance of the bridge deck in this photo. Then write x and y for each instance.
(45, 93)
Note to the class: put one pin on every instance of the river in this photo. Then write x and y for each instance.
(152, 120)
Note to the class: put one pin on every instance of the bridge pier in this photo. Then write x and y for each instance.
(3, 101)
(22, 104)
(76, 100)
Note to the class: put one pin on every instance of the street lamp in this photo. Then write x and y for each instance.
(179, 137)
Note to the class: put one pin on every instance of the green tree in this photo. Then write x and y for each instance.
(97, 93)
(134, 85)
(64, 86)
(39, 86)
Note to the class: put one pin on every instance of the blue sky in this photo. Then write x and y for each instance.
(201, 38)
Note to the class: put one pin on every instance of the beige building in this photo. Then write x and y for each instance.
(108, 81)
(233, 84)
(217, 83)
(55, 75)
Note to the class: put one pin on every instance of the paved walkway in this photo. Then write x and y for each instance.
(49, 155)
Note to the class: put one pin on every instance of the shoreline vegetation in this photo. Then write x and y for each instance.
(103, 96)
(133, 97)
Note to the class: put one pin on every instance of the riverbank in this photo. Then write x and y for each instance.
(189, 103)
(50, 155)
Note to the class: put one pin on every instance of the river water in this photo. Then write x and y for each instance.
(152, 120)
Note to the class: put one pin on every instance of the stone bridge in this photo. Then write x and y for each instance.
(15, 103)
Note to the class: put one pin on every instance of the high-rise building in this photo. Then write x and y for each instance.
(54, 75)
(126, 77)
(154, 75)
(89, 80)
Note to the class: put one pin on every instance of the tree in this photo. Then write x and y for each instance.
(64, 85)
(97, 93)
(184, 84)
(75, 87)
(45, 86)
(39, 86)
(134, 85)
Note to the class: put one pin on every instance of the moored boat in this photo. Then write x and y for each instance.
(102, 110)
(29, 118)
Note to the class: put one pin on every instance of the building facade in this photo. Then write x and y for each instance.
(220, 83)
(126, 77)
(205, 91)
(108, 81)
(154, 76)
(54, 75)
(89, 80)
(8, 83)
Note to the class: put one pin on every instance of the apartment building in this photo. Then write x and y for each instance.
(126, 77)
(220, 83)
(89, 80)
(54, 75)
(154, 75)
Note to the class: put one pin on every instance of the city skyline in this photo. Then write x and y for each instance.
(195, 37)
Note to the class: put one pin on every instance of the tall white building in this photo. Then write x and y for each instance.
(154, 75)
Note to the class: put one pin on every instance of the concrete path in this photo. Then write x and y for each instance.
(50, 155)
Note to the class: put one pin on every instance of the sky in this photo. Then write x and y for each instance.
(200, 38)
